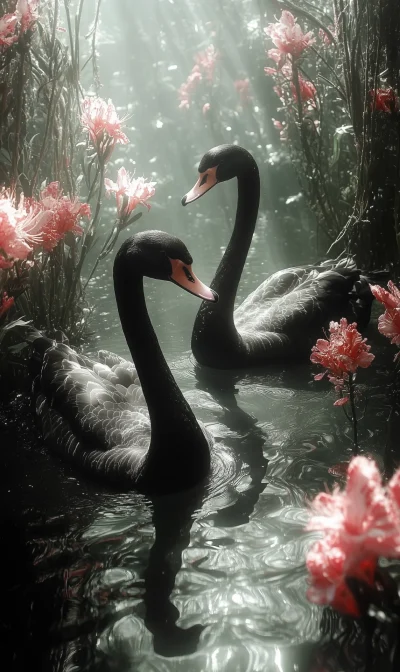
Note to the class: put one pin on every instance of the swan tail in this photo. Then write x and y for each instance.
(361, 299)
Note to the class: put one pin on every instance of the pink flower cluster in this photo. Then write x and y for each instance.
(206, 60)
(343, 353)
(384, 100)
(288, 37)
(130, 192)
(25, 15)
(5, 303)
(37, 223)
(8, 24)
(101, 120)
(284, 78)
(291, 43)
(360, 525)
(66, 215)
(20, 229)
(204, 68)
(389, 321)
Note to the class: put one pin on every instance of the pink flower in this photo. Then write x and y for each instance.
(206, 108)
(242, 86)
(343, 353)
(276, 56)
(389, 322)
(130, 192)
(389, 325)
(20, 230)
(7, 31)
(325, 563)
(360, 524)
(104, 125)
(66, 215)
(5, 304)
(30, 230)
(307, 90)
(27, 13)
(284, 77)
(391, 298)
(384, 100)
(278, 124)
(206, 60)
(204, 68)
(288, 37)
(341, 402)
(186, 90)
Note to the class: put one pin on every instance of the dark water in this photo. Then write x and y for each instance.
(212, 579)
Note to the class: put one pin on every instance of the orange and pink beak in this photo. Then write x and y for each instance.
(206, 181)
(183, 276)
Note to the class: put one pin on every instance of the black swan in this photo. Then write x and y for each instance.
(129, 423)
(283, 317)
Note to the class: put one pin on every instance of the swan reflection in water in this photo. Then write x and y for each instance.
(139, 615)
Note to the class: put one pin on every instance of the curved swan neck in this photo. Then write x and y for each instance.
(170, 414)
(229, 272)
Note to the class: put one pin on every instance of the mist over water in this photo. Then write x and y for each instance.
(212, 579)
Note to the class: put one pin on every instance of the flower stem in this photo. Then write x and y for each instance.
(101, 255)
(353, 414)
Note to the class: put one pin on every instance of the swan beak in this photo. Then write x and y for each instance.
(183, 276)
(206, 181)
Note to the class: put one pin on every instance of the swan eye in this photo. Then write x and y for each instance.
(188, 274)
(204, 179)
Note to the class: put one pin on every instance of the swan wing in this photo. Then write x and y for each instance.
(121, 462)
(124, 370)
(297, 298)
(100, 412)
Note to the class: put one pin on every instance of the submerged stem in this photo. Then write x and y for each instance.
(353, 414)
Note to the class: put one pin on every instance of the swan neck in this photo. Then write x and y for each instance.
(227, 277)
(169, 412)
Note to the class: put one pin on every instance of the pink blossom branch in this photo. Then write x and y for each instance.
(286, 4)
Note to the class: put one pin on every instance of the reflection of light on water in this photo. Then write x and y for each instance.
(278, 660)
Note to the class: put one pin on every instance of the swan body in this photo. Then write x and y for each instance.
(284, 316)
(127, 422)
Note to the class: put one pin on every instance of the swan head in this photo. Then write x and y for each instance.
(158, 255)
(220, 164)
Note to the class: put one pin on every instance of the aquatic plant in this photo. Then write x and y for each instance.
(360, 524)
(344, 133)
(341, 355)
(55, 144)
